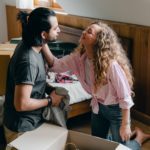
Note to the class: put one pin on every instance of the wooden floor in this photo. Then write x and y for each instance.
(82, 124)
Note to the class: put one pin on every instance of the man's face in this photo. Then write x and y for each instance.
(54, 31)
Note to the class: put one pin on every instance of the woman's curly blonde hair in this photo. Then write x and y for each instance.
(106, 49)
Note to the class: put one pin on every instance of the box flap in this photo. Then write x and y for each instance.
(46, 137)
(122, 147)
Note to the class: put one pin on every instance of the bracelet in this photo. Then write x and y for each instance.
(49, 99)
(127, 123)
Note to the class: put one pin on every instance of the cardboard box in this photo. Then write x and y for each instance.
(51, 137)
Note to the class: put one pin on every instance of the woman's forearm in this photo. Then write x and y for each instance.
(125, 129)
(48, 54)
(125, 117)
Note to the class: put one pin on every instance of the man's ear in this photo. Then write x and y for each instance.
(44, 35)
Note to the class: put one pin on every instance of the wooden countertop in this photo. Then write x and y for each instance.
(7, 49)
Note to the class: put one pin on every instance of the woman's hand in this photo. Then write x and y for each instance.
(125, 132)
(47, 54)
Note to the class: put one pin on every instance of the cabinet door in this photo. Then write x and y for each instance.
(4, 61)
(13, 26)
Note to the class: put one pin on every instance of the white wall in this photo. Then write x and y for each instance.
(10, 2)
(3, 25)
(129, 11)
(3, 22)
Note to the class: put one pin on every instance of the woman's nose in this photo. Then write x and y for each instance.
(58, 29)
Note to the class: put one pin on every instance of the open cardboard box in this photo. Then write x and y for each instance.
(51, 137)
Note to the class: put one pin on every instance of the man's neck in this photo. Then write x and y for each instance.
(37, 48)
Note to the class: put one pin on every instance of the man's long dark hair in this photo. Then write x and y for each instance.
(34, 23)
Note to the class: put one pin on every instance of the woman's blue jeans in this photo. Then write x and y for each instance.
(108, 118)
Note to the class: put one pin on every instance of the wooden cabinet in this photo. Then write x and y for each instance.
(6, 51)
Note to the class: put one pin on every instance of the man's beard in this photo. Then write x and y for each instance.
(45, 41)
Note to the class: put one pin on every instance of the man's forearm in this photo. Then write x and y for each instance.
(31, 104)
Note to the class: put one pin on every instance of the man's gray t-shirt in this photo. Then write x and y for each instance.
(25, 67)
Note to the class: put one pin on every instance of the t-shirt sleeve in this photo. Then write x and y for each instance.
(25, 73)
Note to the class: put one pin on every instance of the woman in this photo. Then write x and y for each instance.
(102, 67)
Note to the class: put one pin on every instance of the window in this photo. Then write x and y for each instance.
(47, 3)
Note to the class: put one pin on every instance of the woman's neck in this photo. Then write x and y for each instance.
(89, 52)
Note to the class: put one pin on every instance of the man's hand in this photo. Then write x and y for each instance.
(56, 99)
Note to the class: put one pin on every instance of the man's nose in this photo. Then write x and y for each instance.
(83, 33)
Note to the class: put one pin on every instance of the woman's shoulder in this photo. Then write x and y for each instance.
(113, 63)
(114, 66)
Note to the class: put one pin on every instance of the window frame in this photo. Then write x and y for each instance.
(54, 4)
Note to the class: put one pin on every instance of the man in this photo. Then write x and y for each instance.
(26, 77)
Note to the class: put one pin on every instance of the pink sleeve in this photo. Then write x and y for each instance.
(120, 83)
(67, 63)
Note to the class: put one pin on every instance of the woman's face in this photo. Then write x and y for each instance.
(89, 35)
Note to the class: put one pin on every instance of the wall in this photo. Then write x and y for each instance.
(3, 24)
(128, 11)
(10, 2)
